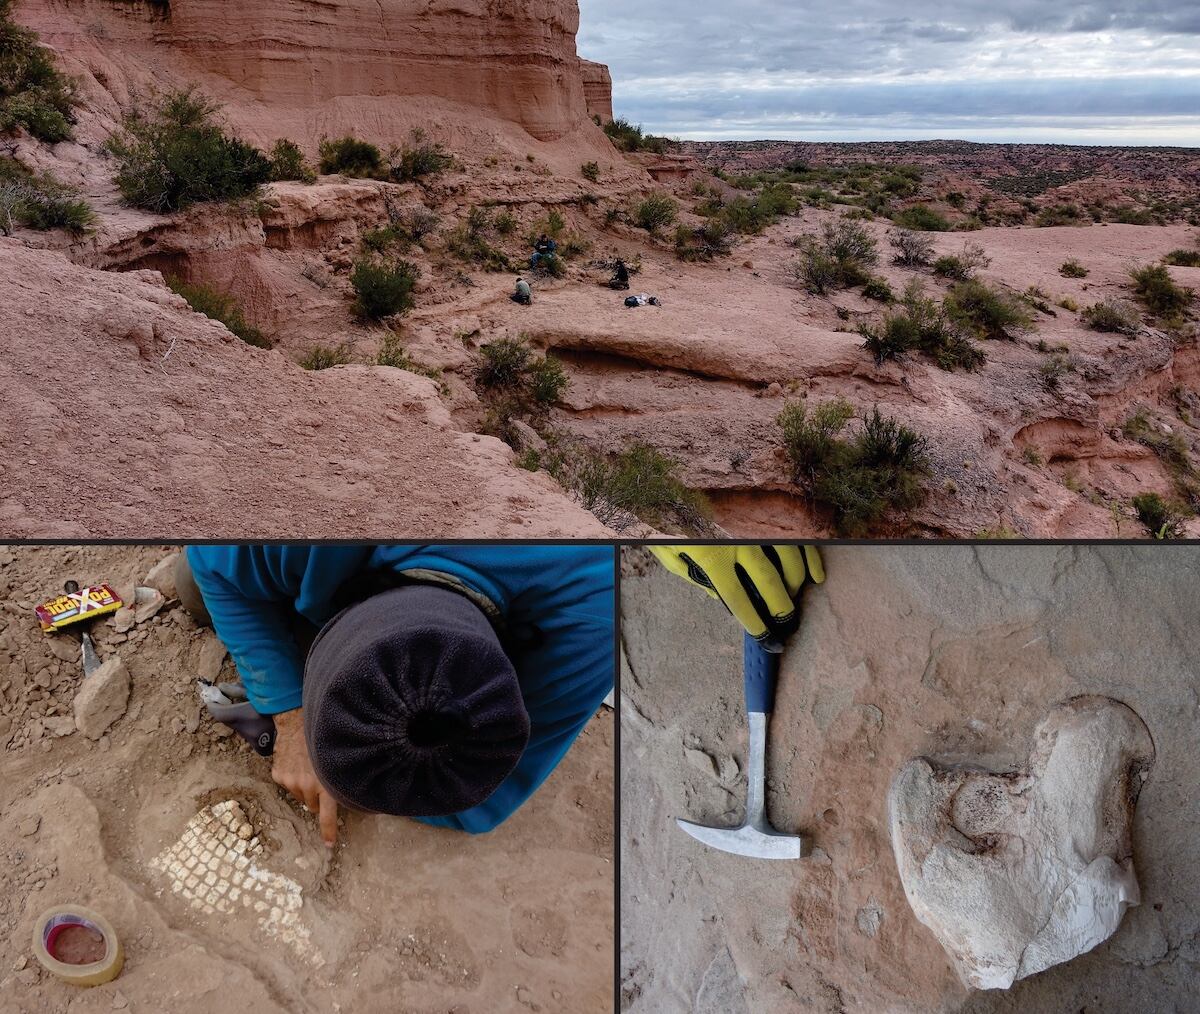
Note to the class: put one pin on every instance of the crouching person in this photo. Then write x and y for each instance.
(441, 683)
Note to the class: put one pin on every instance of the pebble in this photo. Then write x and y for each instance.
(20, 963)
(120, 1001)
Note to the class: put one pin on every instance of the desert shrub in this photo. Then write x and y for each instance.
(590, 171)
(1159, 293)
(34, 94)
(40, 202)
(505, 223)
(1073, 269)
(175, 154)
(288, 163)
(1160, 517)
(383, 288)
(878, 289)
(1061, 214)
(626, 136)
(921, 325)
(418, 159)
(323, 357)
(714, 238)
(656, 212)
(547, 380)
(750, 215)
(639, 483)
(1183, 258)
(348, 156)
(912, 249)
(989, 312)
(515, 383)
(392, 353)
(1054, 368)
(838, 257)
(503, 363)
(859, 479)
(962, 266)
(1129, 215)
(219, 306)
(1114, 316)
(922, 218)
(469, 242)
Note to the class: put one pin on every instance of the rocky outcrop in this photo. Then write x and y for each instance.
(127, 413)
(1018, 871)
(303, 68)
(597, 89)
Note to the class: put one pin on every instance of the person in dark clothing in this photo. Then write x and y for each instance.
(620, 278)
(544, 249)
(443, 683)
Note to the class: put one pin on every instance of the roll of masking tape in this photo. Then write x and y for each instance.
(66, 940)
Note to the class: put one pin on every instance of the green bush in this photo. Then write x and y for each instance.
(219, 306)
(1183, 258)
(912, 249)
(288, 163)
(419, 159)
(921, 325)
(348, 156)
(839, 257)
(323, 357)
(384, 288)
(504, 363)
(1073, 269)
(626, 136)
(1160, 517)
(547, 380)
(923, 218)
(590, 171)
(40, 202)
(878, 289)
(988, 312)
(1113, 316)
(711, 240)
(1159, 293)
(392, 353)
(1062, 214)
(656, 212)
(175, 155)
(1054, 368)
(639, 483)
(34, 94)
(860, 479)
(962, 267)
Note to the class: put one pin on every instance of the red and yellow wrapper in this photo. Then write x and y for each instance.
(75, 607)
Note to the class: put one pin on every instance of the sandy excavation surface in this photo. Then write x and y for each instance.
(949, 652)
(400, 917)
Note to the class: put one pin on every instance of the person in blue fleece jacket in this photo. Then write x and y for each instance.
(444, 683)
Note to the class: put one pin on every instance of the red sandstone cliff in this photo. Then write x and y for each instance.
(303, 68)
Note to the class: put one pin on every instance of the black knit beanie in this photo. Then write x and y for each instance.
(411, 706)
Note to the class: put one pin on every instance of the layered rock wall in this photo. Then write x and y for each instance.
(307, 67)
(597, 89)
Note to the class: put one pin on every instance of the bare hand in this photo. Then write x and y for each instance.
(292, 770)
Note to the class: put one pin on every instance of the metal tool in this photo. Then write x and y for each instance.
(756, 838)
(227, 703)
(91, 661)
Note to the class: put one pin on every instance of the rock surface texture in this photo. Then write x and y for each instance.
(1018, 871)
(301, 68)
(957, 653)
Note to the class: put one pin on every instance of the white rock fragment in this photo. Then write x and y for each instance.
(1016, 872)
(102, 698)
(162, 576)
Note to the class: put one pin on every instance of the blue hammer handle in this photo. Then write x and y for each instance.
(762, 672)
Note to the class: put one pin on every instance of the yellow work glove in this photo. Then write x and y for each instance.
(760, 585)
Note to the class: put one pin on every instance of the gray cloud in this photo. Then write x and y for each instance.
(1116, 70)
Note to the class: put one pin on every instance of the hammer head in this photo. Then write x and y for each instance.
(753, 841)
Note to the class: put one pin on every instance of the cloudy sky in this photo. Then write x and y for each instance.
(1071, 71)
